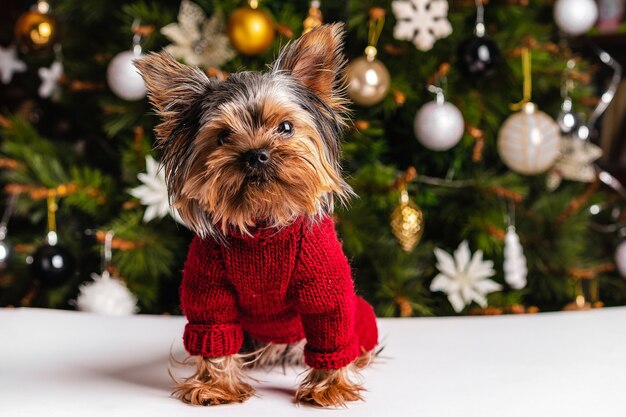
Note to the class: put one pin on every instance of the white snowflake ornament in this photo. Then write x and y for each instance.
(50, 78)
(515, 269)
(153, 193)
(575, 163)
(107, 296)
(197, 40)
(464, 277)
(421, 21)
(9, 64)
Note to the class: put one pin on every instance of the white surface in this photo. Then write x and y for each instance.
(55, 363)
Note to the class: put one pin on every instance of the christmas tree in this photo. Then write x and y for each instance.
(79, 169)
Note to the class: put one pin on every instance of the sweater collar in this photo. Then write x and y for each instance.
(263, 231)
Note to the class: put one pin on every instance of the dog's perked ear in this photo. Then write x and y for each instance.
(176, 91)
(316, 60)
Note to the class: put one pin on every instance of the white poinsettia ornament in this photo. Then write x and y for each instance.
(464, 277)
(197, 40)
(153, 193)
(421, 21)
(50, 78)
(10, 64)
(106, 295)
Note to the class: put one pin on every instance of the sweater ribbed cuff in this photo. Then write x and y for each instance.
(332, 360)
(213, 340)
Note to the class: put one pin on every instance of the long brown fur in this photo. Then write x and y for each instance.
(270, 355)
(328, 388)
(215, 381)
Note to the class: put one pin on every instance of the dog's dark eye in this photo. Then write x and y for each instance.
(285, 128)
(223, 137)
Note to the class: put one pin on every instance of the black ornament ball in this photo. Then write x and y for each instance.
(52, 265)
(478, 56)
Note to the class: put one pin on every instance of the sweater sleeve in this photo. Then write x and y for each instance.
(325, 299)
(209, 303)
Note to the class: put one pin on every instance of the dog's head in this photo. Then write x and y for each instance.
(256, 147)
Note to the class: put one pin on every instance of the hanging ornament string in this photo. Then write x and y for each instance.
(51, 264)
(136, 36)
(107, 252)
(607, 96)
(314, 17)
(438, 91)
(567, 81)
(6, 216)
(568, 120)
(375, 28)
(479, 26)
(527, 80)
(52, 236)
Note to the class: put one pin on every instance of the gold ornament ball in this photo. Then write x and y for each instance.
(368, 81)
(407, 223)
(35, 31)
(251, 31)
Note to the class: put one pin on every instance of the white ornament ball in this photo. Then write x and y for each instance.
(575, 17)
(124, 79)
(620, 258)
(529, 141)
(107, 296)
(439, 126)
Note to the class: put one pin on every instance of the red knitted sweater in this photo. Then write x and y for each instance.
(280, 287)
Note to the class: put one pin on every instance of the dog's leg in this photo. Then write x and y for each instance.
(329, 388)
(216, 381)
(364, 359)
(272, 355)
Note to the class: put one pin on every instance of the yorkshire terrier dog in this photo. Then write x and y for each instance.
(252, 165)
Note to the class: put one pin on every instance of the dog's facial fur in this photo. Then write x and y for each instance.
(256, 148)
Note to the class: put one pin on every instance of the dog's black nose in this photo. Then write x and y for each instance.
(257, 158)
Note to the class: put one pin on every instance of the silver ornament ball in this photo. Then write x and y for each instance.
(575, 17)
(368, 81)
(439, 126)
(124, 79)
(6, 249)
(529, 141)
(620, 258)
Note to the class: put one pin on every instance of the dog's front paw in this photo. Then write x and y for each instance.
(216, 381)
(328, 388)
(207, 393)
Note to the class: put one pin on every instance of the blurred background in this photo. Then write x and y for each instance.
(487, 149)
